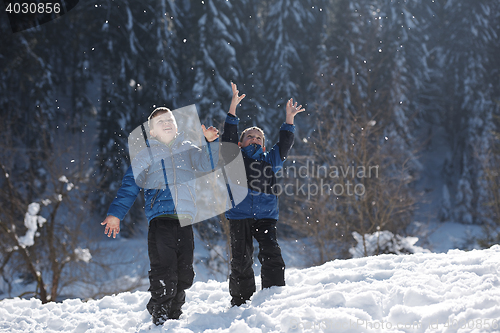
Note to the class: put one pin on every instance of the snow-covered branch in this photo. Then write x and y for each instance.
(32, 221)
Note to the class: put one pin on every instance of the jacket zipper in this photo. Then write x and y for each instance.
(154, 198)
(175, 187)
(158, 190)
(192, 196)
(175, 178)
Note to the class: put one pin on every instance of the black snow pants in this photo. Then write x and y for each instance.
(170, 249)
(242, 279)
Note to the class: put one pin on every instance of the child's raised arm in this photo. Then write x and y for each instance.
(291, 110)
(235, 100)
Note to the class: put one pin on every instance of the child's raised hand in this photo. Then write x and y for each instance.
(210, 133)
(291, 110)
(235, 100)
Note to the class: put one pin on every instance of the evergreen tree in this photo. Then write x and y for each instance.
(289, 41)
(378, 53)
(28, 103)
(464, 59)
(186, 27)
(216, 62)
(403, 47)
(248, 44)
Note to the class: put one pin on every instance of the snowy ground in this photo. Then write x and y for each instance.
(434, 292)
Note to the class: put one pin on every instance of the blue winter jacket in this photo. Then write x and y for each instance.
(152, 168)
(261, 168)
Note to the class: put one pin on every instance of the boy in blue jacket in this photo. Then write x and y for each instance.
(166, 171)
(256, 216)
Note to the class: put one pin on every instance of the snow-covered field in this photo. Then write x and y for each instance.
(455, 291)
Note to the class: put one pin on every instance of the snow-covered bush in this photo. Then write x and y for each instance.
(384, 242)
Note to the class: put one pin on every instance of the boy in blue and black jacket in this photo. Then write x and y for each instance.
(166, 172)
(256, 216)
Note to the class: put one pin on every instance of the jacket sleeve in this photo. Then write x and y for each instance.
(205, 158)
(229, 145)
(125, 196)
(286, 139)
(277, 155)
(230, 133)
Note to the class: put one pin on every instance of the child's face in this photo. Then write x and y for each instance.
(251, 137)
(164, 127)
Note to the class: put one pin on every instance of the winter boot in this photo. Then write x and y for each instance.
(160, 314)
(174, 313)
(237, 301)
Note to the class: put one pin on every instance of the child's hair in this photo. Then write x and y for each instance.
(253, 128)
(156, 112)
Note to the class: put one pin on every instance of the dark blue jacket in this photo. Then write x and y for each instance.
(152, 168)
(261, 168)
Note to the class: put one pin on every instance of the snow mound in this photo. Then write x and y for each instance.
(424, 292)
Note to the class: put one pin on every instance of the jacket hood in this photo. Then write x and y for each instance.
(253, 151)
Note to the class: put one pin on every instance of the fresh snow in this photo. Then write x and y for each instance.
(83, 254)
(456, 291)
(31, 221)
